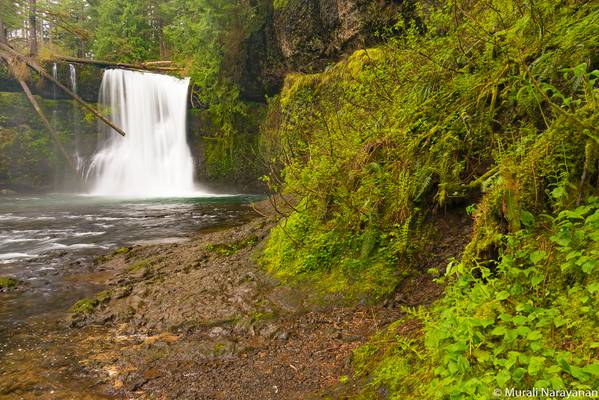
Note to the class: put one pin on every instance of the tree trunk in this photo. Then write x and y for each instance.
(2, 33)
(32, 27)
(153, 66)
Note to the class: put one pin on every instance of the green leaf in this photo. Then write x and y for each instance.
(527, 218)
(482, 355)
(592, 369)
(578, 373)
(503, 377)
(535, 365)
(536, 346)
(564, 363)
(535, 280)
(534, 335)
(502, 295)
(538, 256)
(559, 321)
(588, 266)
(519, 320)
(593, 287)
(518, 374)
(523, 331)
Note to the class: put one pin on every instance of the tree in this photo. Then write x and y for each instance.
(2, 32)
(126, 31)
(32, 27)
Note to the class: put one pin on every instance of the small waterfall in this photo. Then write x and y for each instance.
(57, 172)
(75, 120)
(55, 76)
(73, 77)
(154, 159)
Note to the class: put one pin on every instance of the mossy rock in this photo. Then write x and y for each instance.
(228, 249)
(121, 250)
(142, 266)
(85, 306)
(7, 283)
(104, 296)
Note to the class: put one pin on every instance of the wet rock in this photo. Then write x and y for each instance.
(218, 331)
(136, 302)
(269, 330)
(135, 381)
(122, 292)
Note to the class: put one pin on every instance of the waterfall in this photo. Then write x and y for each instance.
(75, 120)
(153, 159)
(55, 76)
(53, 121)
(73, 77)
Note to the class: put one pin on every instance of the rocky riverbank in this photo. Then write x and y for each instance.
(201, 320)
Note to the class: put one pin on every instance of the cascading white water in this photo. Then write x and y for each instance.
(79, 161)
(73, 78)
(153, 159)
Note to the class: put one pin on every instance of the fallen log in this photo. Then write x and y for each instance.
(53, 133)
(162, 63)
(153, 66)
(33, 65)
(45, 121)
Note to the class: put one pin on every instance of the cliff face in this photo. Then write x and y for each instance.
(306, 35)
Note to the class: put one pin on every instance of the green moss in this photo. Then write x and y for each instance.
(279, 4)
(103, 296)
(142, 267)
(85, 306)
(228, 249)
(8, 283)
(121, 251)
(259, 316)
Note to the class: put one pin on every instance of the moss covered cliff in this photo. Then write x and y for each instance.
(486, 110)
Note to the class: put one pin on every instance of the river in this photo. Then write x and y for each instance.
(46, 242)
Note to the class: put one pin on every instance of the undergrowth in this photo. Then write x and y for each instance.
(529, 321)
(485, 104)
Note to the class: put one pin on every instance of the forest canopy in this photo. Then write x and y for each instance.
(200, 35)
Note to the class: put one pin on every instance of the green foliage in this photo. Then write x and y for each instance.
(207, 40)
(128, 31)
(142, 265)
(493, 99)
(231, 155)
(121, 250)
(528, 322)
(492, 104)
(28, 155)
(88, 305)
